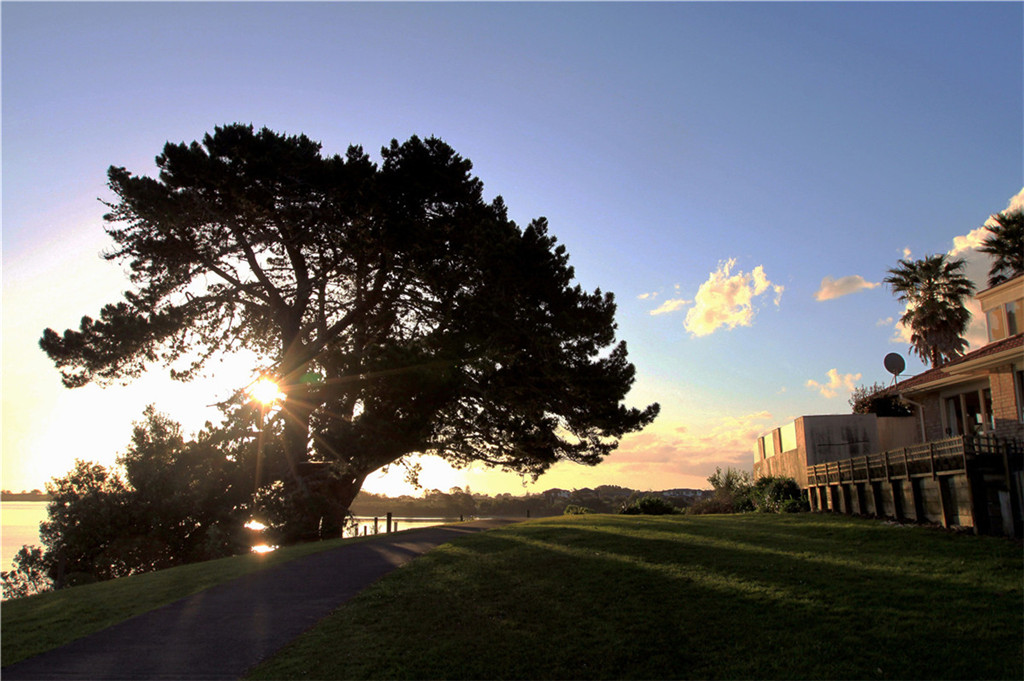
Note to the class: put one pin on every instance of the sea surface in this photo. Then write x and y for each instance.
(19, 525)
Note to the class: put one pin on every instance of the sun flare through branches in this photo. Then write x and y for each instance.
(265, 391)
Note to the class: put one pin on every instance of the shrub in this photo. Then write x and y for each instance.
(732, 489)
(30, 576)
(576, 509)
(649, 505)
(795, 505)
(876, 399)
(736, 493)
(770, 494)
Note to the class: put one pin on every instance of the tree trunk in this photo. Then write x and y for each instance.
(329, 497)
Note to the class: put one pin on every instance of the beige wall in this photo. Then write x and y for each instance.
(1005, 407)
(898, 431)
(790, 464)
(811, 440)
(835, 437)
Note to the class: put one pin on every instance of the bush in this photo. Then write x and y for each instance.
(576, 509)
(167, 502)
(771, 494)
(732, 493)
(795, 505)
(736, 493)
(649, 505)
(876, 399)
(30, 576)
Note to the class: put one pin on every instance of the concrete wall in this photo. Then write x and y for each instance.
(811, 440)
(790, 464)
(836, 437)
(945, 500)
(895, 432)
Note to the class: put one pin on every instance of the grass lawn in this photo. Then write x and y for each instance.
(38, 623)
(730, 597)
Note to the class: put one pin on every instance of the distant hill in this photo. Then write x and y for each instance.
(34, 495)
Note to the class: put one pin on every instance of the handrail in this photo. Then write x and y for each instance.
(939, 457)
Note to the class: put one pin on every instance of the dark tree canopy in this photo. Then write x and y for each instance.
(935, 290)
(876, 399)
(168, 501)
(1005, 244)
(400, 312)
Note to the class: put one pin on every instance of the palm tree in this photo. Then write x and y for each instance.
(935, 291)
(1006, 245)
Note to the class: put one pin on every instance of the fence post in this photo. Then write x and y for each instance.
(389, 522)
(1012, 524)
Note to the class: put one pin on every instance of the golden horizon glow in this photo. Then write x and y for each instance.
(255, 525)
(263, 548)
(265, 391)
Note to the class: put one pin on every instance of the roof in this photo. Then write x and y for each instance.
(990, 355)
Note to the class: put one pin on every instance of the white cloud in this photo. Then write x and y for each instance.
(727, 300)
(670, 305)
(835, 383)
(970, 241)
(1016, 202)
(835, 288)
(645, 296)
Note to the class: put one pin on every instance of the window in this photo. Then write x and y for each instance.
(788, 436)
(954, 417)
(1014, 317)
(969, 413)
(996, 328)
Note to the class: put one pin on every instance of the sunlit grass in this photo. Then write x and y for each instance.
(808, 596)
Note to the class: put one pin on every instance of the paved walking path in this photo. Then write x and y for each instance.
(222, 632)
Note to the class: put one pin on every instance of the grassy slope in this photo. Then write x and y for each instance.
(753, 596)
(39, 623)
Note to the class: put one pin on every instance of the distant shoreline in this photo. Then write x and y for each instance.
(24, 496)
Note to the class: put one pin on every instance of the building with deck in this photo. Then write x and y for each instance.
(956, 461)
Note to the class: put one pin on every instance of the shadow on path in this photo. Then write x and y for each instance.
(223, 631)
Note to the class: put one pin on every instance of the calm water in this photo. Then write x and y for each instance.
(19, 523)
(399, 524)
(20, 526)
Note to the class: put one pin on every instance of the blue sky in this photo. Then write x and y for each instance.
(712, 164)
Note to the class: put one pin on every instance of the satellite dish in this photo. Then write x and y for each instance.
(894, 364)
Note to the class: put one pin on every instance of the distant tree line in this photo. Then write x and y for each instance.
(34, 495)
(458, 502)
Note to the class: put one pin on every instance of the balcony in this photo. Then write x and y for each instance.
(972, 481)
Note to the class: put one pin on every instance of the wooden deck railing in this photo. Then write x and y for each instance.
(931, 459)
